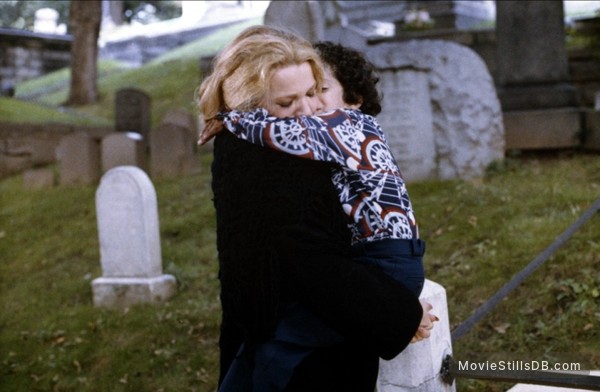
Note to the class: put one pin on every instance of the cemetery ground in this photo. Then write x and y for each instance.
(479, 234)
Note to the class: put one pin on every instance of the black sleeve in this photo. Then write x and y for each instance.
(361, 302)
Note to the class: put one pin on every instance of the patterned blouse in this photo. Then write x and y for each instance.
(366, 176)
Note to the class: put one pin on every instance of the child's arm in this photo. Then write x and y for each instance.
(333, 137)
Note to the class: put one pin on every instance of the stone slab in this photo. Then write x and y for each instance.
(542, 128)
(591, 139)
(38, 178)
(124, 292)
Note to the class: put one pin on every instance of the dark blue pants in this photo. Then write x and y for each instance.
(300, 332)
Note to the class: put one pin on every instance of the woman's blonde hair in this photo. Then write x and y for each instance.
(242, 71)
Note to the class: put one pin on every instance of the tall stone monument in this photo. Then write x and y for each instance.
(539, 103)
(130, 251)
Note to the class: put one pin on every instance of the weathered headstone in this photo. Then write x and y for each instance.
(132, 112)
(408, 113)
(533, 76)
(468, 132)
(184, 119)
(304, 18)
(79, 159)
(171, 150)
(130, 251)
(123, 149)
(38, 178)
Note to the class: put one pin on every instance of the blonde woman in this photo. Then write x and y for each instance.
(282, 237)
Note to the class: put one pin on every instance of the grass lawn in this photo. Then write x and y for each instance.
(479, 234)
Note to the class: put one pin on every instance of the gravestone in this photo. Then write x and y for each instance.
(123, 149)
(466, 119)
(418, 367)
(539, 102)
(38, 178)
(412, 139)
(171, 150)
(79, 159)
(130, 251)
(132, 112)
(184, 119)
(304, 18)
(532, 75)
(350, 23)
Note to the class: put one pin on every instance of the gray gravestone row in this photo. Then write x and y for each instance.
(167, 150)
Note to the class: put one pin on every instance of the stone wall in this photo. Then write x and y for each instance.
(25, 55)
(23, 146)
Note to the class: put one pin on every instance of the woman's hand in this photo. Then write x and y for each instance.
(211, 128)
(424, 330)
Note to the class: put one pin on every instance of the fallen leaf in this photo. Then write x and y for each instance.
(501, 328)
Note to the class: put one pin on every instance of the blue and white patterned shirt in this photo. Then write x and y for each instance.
(366, 176)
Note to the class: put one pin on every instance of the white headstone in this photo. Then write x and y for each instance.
(128, 230)
(418, 367)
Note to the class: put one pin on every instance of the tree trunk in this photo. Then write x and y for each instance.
(84, 19)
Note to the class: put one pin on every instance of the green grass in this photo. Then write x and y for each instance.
(479, 234)
(13, 110)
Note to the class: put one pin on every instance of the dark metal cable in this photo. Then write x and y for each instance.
(487, 306)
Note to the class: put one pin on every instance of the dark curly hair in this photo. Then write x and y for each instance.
(355, 73)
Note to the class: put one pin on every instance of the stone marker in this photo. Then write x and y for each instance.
(418, 367)
(304, 18)
(408, 122)
(38, 178)
(182, 118)
(465, 113)
(123, 149)
(130, 251)
(171, 151)
(132, 112)
(79, 159)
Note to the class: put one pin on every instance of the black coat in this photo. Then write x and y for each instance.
(282, 237)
